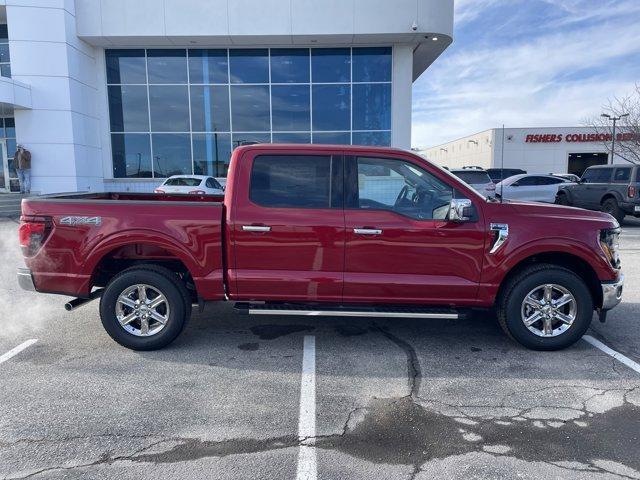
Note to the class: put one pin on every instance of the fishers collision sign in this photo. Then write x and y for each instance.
(579, 137)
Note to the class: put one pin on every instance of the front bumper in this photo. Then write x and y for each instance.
(25, 279)
(612, 293)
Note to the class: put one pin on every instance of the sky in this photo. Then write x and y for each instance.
(527, 63)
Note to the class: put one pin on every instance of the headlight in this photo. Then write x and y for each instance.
(610, 243)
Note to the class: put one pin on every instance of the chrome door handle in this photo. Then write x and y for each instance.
(256, 228)
(367, 231)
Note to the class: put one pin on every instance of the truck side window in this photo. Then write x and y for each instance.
(401, 187)
(622, 175)
(291, 181)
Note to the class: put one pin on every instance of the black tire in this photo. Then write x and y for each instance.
(517, 288)
(166, 282)
(610, 206)
(562, 199)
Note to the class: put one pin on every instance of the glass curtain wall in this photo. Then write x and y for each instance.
(5, 60)
(179, 111)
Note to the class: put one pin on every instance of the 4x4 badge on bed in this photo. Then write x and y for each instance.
(81, 221)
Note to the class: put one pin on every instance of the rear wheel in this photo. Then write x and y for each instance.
(145, 308)
(562, 199)
(545, 307)
(610, 206)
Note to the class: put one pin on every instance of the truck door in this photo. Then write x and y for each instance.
(597, 183)
(400, 248)
(287, 227)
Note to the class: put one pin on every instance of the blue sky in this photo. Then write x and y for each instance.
(527, 63)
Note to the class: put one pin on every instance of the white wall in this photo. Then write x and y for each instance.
(475, 149)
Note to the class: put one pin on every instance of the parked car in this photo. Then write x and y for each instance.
(194, 184)
(478, 179)
(530, 187)
(567, 176)
(499, 174)
(613, 189)
(324, 230)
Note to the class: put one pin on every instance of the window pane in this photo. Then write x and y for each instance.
(5, 70)
(4, 52)
(10, 127)
(249, 65)
(171, 154)
(131, 155)
(331, 65)
(372, 107)
(622, 175)
(126, 66)
(331, 107)
(169, 108)
(210, 109)
(403, 188)
(378, 139)
(128, 108)
(372, 64)
(4, 35)
(291, 181)
(292, 138)
(332, 138)
(250, 108)
(208, 66)
(240, 139)
(211, 154)
(290, 65)
(167, 66)
(290, 106)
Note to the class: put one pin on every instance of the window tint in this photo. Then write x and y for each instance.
(290, 65)
(400, 187)
(290, 106)
(210, 109)
(213, 183)
(169, 108)
(167, 66)
(331, 107)
(128, 108)
(291, 181)
(171, 154)
(131, 155)
(331, 65)
(183, 182)
(126, 66)
(211, 153)
(249, 65)
(372, 64)
(526, 182)
(548, 181)
(376, 139)
(597, 175)
(622, 175)
(250, 108)
(473, 177)
(208, 66)
(372, 106)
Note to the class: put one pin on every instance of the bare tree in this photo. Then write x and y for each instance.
(627, 129)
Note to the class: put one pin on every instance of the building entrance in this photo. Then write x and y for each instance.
(579, 162)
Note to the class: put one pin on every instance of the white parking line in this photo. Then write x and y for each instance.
(17, 350)
(307, 468)
(618, 356)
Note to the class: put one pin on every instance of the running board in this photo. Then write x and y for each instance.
(338, 311)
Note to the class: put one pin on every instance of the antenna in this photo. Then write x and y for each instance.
(502, 168)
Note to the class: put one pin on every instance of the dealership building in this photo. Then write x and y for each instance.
(119, 94)
(535, 150)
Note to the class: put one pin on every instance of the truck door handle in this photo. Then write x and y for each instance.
(256, 228)
(367, 231)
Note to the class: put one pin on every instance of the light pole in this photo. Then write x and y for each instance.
(613, 137)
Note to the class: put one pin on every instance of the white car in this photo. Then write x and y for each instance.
(478, 179)
(530, 187)
(193, 184)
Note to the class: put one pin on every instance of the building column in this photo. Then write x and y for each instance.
(401, 96)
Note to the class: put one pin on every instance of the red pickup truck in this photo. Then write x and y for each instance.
(325, 230)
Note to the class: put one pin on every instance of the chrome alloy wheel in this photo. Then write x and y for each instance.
(549, 310)
(142, 310)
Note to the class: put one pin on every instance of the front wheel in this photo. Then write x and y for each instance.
(145, 308)
(562, 199)
(545, 307)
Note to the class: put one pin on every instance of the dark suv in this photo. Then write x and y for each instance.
(610, 188)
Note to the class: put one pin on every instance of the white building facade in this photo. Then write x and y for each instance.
(118, 94)
(535, 150)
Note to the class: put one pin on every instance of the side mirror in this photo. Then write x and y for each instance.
(460, 210)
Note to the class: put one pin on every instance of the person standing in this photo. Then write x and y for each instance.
(22, 162)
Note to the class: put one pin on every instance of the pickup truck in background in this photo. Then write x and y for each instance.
(613, 189)
(324, 230)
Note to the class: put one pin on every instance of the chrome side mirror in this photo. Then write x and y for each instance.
(460, 210)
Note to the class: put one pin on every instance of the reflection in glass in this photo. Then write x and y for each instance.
(169, 108)
(210, 109)
(372, 106)
(171, 154)
(378, 139)
(167, 66)
(331, 65)
(10, 127)
(131, 154)
(126, 66)
(331, 107)
(332, 138)
(292, 138)
(208, 66)
(5, 70)
(290, 65)
(240, 139)
(372, 64)
(249, 65)
(128, 108)
(4, 52)
(250, 108)
(290, 107)
(211, 153)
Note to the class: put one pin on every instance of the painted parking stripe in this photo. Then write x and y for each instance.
(307, 467)
(12, 353)
(609, 351)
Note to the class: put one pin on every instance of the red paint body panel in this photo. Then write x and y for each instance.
(310, 255)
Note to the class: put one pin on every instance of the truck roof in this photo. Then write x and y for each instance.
(317, 147)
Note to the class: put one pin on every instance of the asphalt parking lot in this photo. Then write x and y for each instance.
(234, 395)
